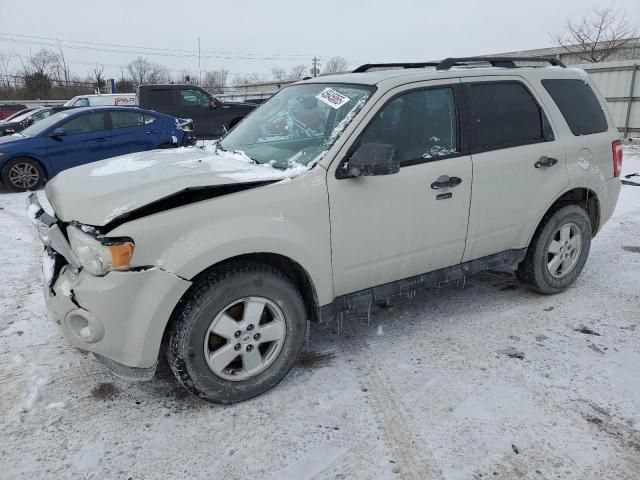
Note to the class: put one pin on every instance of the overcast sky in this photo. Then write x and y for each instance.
(258, 35)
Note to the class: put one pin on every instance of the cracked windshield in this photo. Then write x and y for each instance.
(299, 124)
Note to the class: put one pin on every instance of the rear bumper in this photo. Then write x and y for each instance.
(612, 191)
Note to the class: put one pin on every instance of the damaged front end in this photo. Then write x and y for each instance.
(102, 305)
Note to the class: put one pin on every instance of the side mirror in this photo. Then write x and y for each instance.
(58, 132)
(213, 103)
(371, 159)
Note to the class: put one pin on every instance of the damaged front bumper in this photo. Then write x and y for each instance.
(120, 317)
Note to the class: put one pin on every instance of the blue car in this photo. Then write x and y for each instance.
(83, 135)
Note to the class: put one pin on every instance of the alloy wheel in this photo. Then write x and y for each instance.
(24, 175)
(245, 338)
(564, 250)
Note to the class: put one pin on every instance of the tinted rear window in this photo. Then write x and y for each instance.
(578, 104)
(504, 114)
(162, 97)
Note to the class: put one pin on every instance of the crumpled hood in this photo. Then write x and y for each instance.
(99, 192)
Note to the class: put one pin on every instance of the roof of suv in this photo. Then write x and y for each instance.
(400, 76)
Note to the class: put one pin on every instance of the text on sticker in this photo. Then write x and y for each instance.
(332, 98)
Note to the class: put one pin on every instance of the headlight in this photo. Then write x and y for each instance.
(1, 153)
(100, 255)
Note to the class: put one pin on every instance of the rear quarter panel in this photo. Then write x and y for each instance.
(589, 158)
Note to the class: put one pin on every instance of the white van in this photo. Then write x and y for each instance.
(107, 99)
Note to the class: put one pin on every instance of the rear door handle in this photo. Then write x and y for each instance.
(99, 139)
(151, 132)
(445, 181)
(545, 162)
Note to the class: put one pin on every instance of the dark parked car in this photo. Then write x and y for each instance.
(18, 114)
(83, 135)
(20, 122)
(8, 109)
(212, 117)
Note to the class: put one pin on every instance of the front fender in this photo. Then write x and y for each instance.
(288, 218)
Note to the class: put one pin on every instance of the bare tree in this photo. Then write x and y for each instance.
(336, 64)
(44, 63)
(278, 73)
(5, 69)
(215, 80)
(143, 71)
(297, 72)
(97, 78)
(63, 71)
(600, 34)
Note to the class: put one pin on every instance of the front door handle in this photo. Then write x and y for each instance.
(545, 162)
(99, 139)
(151, 132)
(445, 181)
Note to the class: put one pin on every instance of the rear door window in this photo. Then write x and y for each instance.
(126, 119)
(504, 114)
(90, 122)
(579, 106)
(159, 97)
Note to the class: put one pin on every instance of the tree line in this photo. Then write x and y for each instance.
(47, 75)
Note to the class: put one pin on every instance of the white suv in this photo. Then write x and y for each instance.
(338, 192)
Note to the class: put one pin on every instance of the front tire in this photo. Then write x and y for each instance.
(23, 174)
(237, 333)
(558, 252)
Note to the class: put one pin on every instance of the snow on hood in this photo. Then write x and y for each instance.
(98, 192)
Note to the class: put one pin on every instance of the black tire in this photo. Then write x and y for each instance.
(23, 184)
(206, 299)
(533, 270)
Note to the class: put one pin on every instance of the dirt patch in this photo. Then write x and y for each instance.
(315, 359)
(586, 331)
(512, 353)
(105, 391)
(632, 249)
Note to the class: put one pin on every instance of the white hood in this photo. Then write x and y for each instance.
(97, 193)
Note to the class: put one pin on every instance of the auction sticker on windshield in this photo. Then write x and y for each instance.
(332, 98)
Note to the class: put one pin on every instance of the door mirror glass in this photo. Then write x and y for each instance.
(59, 132)
(373, 159)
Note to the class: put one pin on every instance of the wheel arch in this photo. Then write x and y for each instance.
(287, 266)
(581, 196)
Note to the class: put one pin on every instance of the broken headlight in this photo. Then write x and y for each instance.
(100, 255)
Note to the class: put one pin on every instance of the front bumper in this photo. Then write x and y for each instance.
(120, 317)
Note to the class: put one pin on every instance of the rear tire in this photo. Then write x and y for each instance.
(237, 333)
(22, 174)
(558, 252)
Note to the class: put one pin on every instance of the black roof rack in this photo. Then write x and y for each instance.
(505, 62)
(447, 63)
(369, 66)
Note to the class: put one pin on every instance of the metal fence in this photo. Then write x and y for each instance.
(619, 83)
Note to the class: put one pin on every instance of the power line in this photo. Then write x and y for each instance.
(142, 50)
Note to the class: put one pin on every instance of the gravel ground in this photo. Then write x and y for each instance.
(464, 382)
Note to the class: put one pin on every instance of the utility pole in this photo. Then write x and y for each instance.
(315, 70)
(199, 67)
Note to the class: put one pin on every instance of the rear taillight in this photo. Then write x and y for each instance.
(616, 148)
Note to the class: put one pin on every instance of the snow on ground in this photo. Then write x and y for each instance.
(486, 381)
